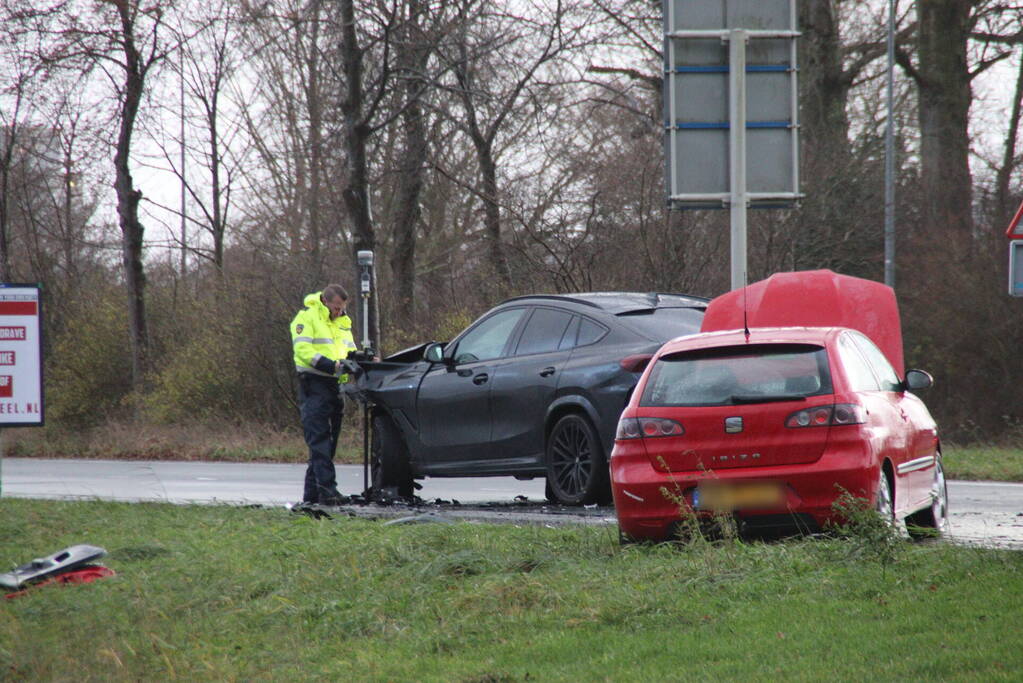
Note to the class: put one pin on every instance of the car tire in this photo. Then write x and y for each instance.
(389, 459)
(577, 471)
(884, 500)
(932, 521)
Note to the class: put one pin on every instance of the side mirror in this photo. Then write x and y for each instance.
(917, 379)
(434, 353)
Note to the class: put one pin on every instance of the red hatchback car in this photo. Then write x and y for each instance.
(772, 424)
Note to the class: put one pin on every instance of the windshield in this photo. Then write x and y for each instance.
(734, 375)
(662, 324)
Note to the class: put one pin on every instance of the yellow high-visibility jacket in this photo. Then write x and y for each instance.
(319, 342)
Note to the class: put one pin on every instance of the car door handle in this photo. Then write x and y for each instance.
(481, 378)
(547, 372)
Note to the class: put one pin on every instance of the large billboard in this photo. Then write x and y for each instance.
(712, 87)
(21, 356)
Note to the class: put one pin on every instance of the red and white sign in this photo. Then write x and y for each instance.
(21, 356)
(1015, 230)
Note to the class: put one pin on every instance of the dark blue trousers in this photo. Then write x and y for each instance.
(322, 409)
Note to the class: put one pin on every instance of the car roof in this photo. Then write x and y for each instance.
(619, 302)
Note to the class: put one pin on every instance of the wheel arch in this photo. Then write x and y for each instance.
(568, 405)
(889, 474)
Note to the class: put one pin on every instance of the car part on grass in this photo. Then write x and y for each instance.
(86, 573)
(60, 562)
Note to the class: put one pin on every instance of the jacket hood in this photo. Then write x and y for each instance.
(313, 302)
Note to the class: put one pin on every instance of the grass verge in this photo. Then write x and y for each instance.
(222, 593)
(984, 463)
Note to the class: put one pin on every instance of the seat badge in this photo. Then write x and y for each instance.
(733, 425)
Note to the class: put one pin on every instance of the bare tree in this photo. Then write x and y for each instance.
(1010, 160)
(123, 39)
(1002, 25)
(413, 54)
(21, 70)
(943, 74)
(496, 59)
(207, 62)
(284, 102)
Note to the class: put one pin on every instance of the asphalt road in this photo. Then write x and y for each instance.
(985, 513)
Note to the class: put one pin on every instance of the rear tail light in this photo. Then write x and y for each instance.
(827, 416)
(647, 428)
(635, 363)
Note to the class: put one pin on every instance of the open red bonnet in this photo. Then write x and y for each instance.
(814, 298)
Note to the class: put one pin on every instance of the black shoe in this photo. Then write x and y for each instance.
(334, 499)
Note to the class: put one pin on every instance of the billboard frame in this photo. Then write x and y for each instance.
(4, 286)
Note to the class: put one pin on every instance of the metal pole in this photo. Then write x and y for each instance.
(184, 221)
(889, 157)
(737, 151)
(365, 448)
(669, 108)
(794, 96)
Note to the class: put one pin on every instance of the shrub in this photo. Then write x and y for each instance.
(88, 371)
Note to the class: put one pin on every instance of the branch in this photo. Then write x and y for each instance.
(653, 82)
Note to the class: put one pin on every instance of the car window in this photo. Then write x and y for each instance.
(543, 332)
(732, 375)
(662, 324)
(589, 332)
(571, 332)
(884, 371)
(488, 339)
(857, 370)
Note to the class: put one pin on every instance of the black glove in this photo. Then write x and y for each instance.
(364, 355)
(325, 365)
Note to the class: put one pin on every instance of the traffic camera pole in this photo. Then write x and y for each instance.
(365, 261)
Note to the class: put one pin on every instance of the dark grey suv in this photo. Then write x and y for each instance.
(532, 388)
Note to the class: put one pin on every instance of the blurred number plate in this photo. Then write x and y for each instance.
(726, 497)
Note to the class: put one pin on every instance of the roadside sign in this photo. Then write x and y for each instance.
(1015, 230)
(21, 356)
(1016, 268)
(731, 103)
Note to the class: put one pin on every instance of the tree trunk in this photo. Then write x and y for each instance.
(492, 213)
(413, 56)
(314, 104)
(824, 89)
(128, 197)
(944, 91)
(9, 136)
(357, 133)
(1003, 202)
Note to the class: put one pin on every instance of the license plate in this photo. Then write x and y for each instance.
(721, 497)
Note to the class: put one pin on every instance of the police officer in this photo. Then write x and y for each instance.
(321, 335)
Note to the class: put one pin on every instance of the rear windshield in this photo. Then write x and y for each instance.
(662, 324)
(737, 375)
